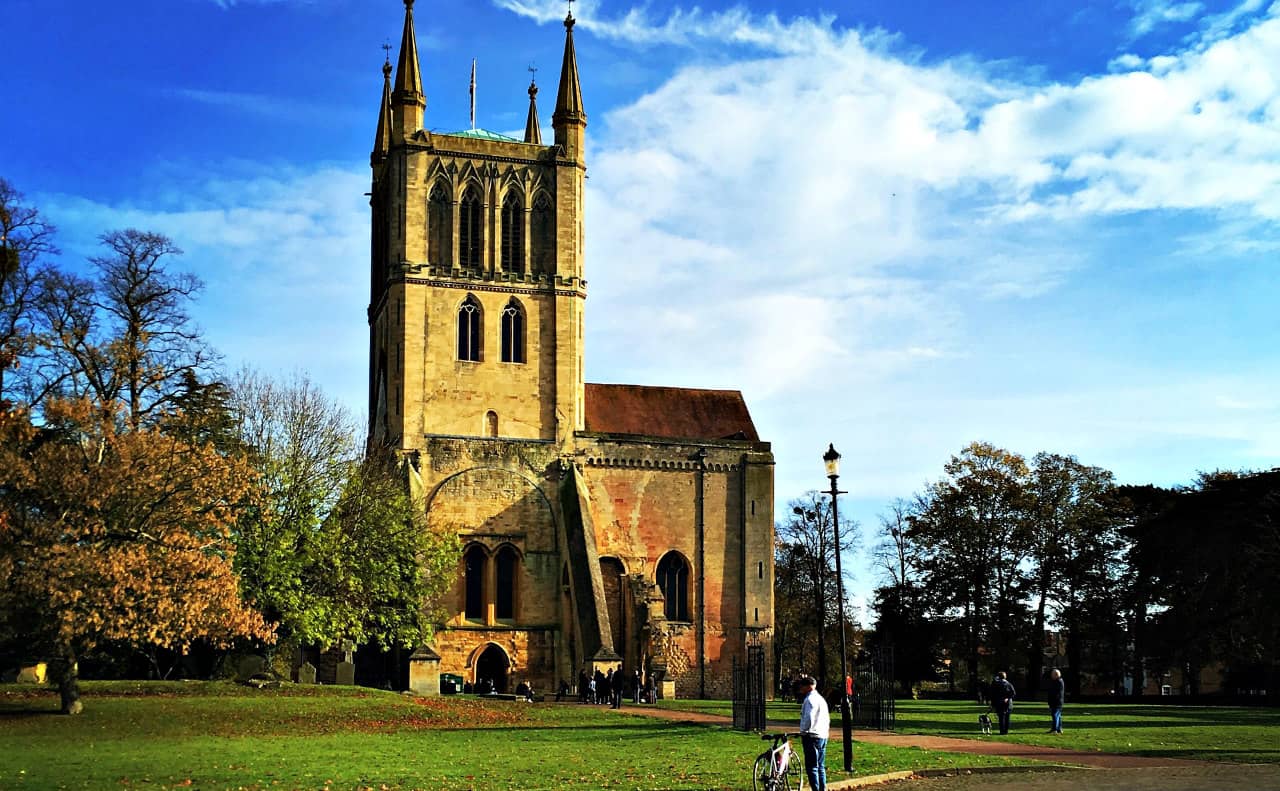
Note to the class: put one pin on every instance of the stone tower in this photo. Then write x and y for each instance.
(602, 526)
(487, 227)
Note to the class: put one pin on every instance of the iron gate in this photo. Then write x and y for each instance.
(749, 690)
(873, 688)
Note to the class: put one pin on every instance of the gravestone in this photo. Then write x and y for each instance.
(346, 674)
(424, 672)
(307, 673)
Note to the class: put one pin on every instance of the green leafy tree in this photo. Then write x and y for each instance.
(903, 620)
(111, 535)
(973, 530)
(339, 549)
(1073, 550)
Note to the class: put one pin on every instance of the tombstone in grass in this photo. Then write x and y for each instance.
(346, 673)
(307, 673)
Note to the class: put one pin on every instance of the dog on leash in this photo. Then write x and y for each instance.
(984, 722)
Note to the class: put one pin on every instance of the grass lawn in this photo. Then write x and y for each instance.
(1243, 735)
(219, 735)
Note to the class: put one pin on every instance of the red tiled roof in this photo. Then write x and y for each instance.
(671, 412)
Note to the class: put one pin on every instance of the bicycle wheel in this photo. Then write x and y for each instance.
(795, 772)
(762, 774)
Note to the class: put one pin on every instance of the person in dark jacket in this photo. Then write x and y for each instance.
(619, 686)
(1057, 692)
(1002, 695)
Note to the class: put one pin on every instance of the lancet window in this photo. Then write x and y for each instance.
(512, 234)
(470, 336)
(505, 584)
(474, 562)
(513, 333)
(439, 227)
(471, 230)
(543, 226)
(673, 581)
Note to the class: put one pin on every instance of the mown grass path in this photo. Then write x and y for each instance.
(212, 736)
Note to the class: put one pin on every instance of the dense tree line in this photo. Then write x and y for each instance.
(148, 503)
(984, 563)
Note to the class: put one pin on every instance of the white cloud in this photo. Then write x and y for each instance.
(682, 27)
(845, 234)
(283, 253)
(1151, 14)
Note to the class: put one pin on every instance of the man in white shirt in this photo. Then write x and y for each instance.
(815, 727)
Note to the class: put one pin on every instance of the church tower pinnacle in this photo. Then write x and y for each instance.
(382, 140)
(408, 98)
(532, 127)
(570, 119)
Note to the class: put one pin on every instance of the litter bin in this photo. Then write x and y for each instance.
(450, 684)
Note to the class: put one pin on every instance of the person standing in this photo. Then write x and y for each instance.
(619, 686)
(815, 728)
(1002, 695)
(1057, 693)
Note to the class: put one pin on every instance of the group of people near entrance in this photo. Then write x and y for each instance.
(1001, 694)
(610, 688)
(815, 718)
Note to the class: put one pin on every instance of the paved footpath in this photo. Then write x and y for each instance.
(1031, 752)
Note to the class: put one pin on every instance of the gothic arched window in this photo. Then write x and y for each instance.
(673, 581)
(470, 338)
(512, 234)
(471, 230)
(439, 227)
(505, 606)
(473, 569)
(543, 226)
(513, 333)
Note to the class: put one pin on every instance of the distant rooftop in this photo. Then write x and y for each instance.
(669, 412)
(482, 134)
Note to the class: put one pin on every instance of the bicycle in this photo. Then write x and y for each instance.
(777, 768)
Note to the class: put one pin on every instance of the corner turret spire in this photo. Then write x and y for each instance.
(570, 119)
(532, 128)
(408, 99)
(382, 140)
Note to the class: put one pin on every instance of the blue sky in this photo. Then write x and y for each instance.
(897, 226)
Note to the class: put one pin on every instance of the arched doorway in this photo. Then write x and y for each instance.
(493, 665)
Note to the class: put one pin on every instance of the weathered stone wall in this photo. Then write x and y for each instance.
(651, 497)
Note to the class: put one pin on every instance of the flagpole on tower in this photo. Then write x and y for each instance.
(473, 94)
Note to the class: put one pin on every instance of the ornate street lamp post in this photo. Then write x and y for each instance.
(832, 459)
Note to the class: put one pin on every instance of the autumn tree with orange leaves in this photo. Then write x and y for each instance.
(111, 535)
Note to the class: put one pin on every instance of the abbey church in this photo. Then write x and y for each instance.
(601, 525)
